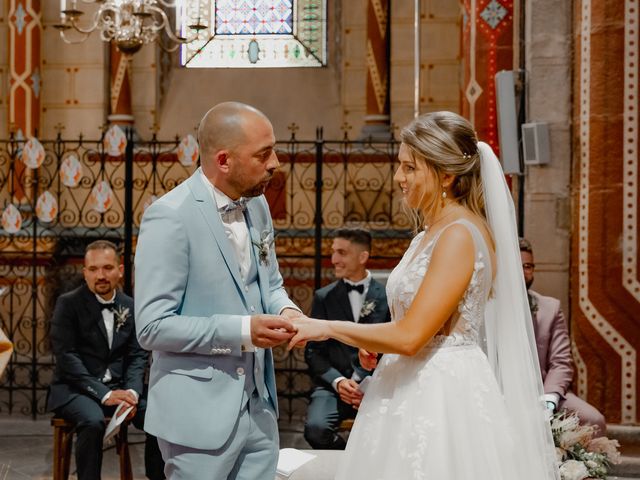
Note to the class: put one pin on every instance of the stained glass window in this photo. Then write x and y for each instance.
(256, 33)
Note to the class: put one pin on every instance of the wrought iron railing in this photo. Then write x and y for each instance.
(78, 191)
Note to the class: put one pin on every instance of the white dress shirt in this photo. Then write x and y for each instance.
(108, 319)
(356, 300)
(235, 226)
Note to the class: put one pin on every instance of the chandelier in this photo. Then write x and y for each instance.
(130, 24)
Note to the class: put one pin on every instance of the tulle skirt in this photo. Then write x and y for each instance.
(438, 415)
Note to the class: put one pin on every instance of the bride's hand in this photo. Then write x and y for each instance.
(309, 329)
(368, 360)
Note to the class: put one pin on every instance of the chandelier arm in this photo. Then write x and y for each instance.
(169, 31)
(167, 49)
(73, 42)
(91, 27)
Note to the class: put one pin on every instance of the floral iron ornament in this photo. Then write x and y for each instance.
(367, 308)
(267, 239)
(120, 316)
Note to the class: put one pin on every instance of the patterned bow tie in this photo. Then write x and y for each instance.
(108, 306)
(357, 288)
(240, 204)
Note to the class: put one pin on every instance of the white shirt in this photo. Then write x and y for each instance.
(107, 318)
(235, 226)
(356, 299)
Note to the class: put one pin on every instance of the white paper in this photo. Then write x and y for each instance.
(364, 384)
(291, 459)
(114, 425)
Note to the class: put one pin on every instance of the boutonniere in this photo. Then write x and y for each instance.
(533, 305)
(120, 316)
(267, 238)
(367, 308)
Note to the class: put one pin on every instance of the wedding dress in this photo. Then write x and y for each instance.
(439, 414)
(468, 405)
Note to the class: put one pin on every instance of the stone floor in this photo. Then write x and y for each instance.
(26, 451)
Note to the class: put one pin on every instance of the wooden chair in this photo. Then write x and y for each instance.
(346, 425)
(62, 437)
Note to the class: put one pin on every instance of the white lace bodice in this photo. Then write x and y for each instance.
(404, 281)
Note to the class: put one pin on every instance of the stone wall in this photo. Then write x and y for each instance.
(75, 82)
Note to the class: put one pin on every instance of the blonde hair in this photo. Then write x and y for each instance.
(446, 143)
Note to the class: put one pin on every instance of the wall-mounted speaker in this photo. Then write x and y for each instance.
(535, 143)
(507, 122)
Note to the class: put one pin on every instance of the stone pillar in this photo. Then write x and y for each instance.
(377, 119)
(487, 48)
(25, 31)
(605, 288)
(120, 109)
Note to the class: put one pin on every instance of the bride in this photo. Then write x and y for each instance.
(457, 394)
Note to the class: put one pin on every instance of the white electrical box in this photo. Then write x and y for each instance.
(536, 148)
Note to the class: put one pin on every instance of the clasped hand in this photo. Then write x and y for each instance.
(291, 326)
(308, 329)
(123, 396)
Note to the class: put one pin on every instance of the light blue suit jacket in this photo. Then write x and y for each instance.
(189, 300)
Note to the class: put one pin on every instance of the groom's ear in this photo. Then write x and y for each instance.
(222, 160)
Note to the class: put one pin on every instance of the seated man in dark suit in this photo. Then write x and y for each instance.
(554, 350)
(99, 363)
(334, 366)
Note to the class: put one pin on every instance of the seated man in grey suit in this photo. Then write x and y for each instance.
(554, 350)
(99, 363)
(334, 366)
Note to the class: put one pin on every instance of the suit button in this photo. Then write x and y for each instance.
(246, 289)
(240, 371)
(253, 309)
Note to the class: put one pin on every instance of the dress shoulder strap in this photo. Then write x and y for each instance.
(478, 240)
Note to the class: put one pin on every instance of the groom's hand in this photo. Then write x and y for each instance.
(270, 330)
(293, 314)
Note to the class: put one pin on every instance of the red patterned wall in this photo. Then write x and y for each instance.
(605, 287)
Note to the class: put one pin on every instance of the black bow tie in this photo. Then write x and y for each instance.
(357, 288)
(109, 306)
(240, 204)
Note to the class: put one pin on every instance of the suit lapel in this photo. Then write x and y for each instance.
(374, 293)
(254, 238)
(119, 333)
(209, 211)
(342, 300)
(95, 312)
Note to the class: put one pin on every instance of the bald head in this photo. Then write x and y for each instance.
(223, 127)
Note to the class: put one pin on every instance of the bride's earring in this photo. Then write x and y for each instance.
(444, 197)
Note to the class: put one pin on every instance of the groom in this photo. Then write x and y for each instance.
(210, 304)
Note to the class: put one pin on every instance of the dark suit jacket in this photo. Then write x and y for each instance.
(80, 345)
(332, 359)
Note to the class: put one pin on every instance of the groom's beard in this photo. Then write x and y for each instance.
(258, 189)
